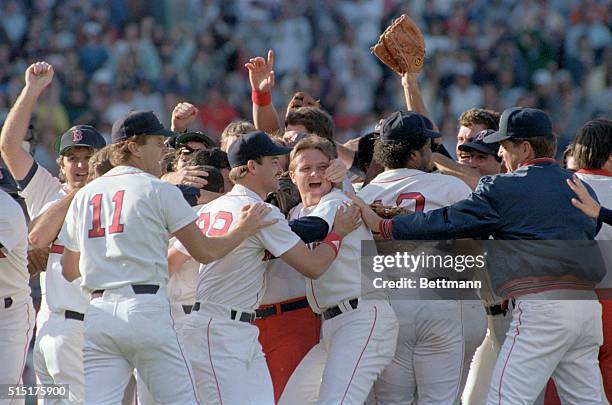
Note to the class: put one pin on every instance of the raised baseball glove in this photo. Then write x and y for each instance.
(401, 46)
(387, 212)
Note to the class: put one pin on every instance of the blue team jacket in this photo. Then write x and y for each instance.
(530, 203)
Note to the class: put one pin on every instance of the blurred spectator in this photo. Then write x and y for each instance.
(114, 55)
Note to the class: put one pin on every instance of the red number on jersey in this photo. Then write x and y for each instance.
(419, 200)
(224, 216)
(203, 221)
(97, 230)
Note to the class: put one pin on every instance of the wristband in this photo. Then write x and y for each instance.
(261, 99)
(334, 240)
(385, 228)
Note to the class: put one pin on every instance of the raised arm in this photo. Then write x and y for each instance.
(182, 116)
(17, 160)
(445, 165)
(261, 77)
(412, 95)
(45, 228)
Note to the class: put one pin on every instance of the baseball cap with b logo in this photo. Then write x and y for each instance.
(478, 144)
(79, 135)
(138, 122)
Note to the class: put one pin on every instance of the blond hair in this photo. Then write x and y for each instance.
(312, 142)
(120, 153)
(99, 163)
(233, 130)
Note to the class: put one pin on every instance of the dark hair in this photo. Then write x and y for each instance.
(475, 116)
(395, 155)
(214, 179)
(593, 144)
(543, 146)
(213, 157)
(365, 151)
(315, 120)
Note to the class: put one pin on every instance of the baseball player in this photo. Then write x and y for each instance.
(16, 310)
(437, 339)
(116, 233)
(549, 334)
(221, 341)
(593, 155)
(359, 328)
(57, 353)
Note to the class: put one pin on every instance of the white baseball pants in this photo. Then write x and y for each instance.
(436, 343)
(355, 347)
(551, 337)
(123, 331)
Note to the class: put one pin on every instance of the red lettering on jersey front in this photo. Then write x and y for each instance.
(227, 219)
(97, 231)
(419, 200)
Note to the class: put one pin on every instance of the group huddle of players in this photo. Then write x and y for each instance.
(231, 274)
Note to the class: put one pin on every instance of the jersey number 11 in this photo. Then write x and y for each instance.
(97, 231)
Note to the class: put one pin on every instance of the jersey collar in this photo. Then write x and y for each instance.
(598, 172)
(395, 175)
(537, 161)
(240, 190)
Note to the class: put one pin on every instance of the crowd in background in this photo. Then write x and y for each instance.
(111, 56)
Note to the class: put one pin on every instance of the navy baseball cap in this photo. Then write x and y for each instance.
(138, 122)
(519, 122)
(252, 146)
(195, 136)
(401, 125)
(478, 144)
(79, 135)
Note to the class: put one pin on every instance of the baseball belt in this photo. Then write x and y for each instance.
(275, 309)
(137, 288)
(77, 316)
(248, 317)
(332, 312)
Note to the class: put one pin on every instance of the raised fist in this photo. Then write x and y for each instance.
(182, 116)
(261, 74)
(38, 75)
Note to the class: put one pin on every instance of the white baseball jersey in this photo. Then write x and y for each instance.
(342, 280)
(237, 280)
(41, 189)
(13, 255)
(183, 284)
(120, 223)
(61, 294)
(414, 189)
(283, 283)
(601, 183)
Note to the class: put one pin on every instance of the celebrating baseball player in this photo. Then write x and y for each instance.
(554, 337)
(221, 340)
(16, 310)
(57, 354)
(436, 342)
(116, 237)
(359, 328)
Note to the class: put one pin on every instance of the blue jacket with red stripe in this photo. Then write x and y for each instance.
(530, 203)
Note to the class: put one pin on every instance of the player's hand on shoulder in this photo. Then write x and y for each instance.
(584, 202)
(189, 175)
(370, 218)
(348, 218)
(38, 76)
(253, 218)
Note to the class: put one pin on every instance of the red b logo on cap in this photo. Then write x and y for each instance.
(77, 135)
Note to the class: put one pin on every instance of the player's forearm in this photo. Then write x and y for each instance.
(45, 228)
(14, 131)
(448, 166)
(414, 100)
(266, 119)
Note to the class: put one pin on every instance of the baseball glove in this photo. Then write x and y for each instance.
(286, 197)
(401, 46)
(387, 212)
